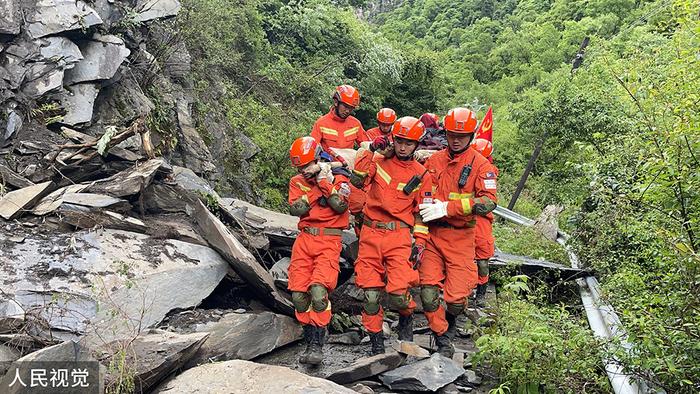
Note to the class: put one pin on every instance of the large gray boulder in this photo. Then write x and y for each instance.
(429, 374)
(238, 336)
(238, 376)
(106, 284)
(68, 355)
(153, 9)
(49, 17)
(154, 355)
(368, 366)
(10, 18)
(103, 54)
(79, 102)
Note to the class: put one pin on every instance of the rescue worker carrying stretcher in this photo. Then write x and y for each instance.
(339, 129)
(396, 184)
(465, 186)
(484, 241)
(385, 120)
(318, 195)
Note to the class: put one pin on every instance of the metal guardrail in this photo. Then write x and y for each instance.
(601, 316)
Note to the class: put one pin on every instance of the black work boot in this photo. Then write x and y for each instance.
(405, 328)
(481, 295)
(444, 341)
(315, 355)
(377, 341)
(308, 338)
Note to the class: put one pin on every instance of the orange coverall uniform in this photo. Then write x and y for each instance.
(448, 260)
(484, 236)
(385, 241)
(332, 131)
(374, 132)
(315, 254)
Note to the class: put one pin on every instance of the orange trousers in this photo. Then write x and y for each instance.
(315, 260)
(484, 242)
(448, 263)
(382, 263)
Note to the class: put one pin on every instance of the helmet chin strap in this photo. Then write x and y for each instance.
(337, 113)
(452, 153)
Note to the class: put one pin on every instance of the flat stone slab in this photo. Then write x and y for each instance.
(14, 203)
(367, 367)
(245, 336)
(426, 375)
(55, 16)
(238, 376)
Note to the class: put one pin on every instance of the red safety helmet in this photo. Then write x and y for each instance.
(386, 115)
(460, 120)
(409, 128)
(483, 146)
(304, 150)
(348, 95)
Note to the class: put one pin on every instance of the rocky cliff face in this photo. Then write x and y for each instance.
(89, 65)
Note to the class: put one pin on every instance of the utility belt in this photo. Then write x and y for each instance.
(386, 225)
(323, 231)
(445, 224)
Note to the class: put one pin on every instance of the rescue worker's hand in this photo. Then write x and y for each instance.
(422, 155)
(416, 255)
(379, 143)
(341, 160)
(326, 172)
(310, 171)
(436, 210)
(365, 144)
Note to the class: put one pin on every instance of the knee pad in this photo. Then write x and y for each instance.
(430, 297)
(399, 302)
(454, 309)
(301, 301)
(319, 298)
(371, 305)
(483, 267)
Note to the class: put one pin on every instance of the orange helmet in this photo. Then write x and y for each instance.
(386, 115)
(348, 95)
(460, 120)
(409, 128)
(304, 150)
(483, 146)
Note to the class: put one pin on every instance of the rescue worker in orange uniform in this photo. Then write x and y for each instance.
(396, 184)
(320, 199)
(484, 240)
(339, 129)
(465, 187)
(385, 120)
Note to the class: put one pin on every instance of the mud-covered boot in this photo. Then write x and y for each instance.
(481, 296)
(444, 341)
(315, 356)
(377, 341)
(405, 328)
(308, 338)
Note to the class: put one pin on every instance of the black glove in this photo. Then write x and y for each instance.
(416, 255)
(341, 171)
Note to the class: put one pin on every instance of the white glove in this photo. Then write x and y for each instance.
(436, 210)
(365, 145)
(422, 155)
(325, 173)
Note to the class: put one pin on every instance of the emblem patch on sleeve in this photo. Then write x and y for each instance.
(490, 184)
(428, 198)
(344, 190)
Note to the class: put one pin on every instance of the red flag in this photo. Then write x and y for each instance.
(486, 127)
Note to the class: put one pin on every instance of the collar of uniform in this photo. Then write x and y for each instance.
(458, 156)
(402, 163)
(336, 117)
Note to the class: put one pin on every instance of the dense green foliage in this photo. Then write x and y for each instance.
(621, 150)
